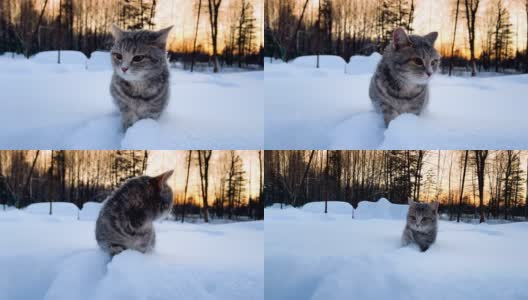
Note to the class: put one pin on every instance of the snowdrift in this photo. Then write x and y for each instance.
(325, 62)
(334, 207)
(333, 110)
(49, 258)
(69, 107)
(338, 257)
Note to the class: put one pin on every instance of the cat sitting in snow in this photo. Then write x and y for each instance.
(126, 218)
(140, 83)
(422, 224)
(400, 83)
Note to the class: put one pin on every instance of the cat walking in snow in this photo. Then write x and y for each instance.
(140, 83)
(400, 83)
(126, 218)
(422, 224)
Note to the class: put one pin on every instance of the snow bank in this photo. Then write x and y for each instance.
(363, 64)
(63, 209)
(90, 211)
(343, 258)
(68, 57)
(327, 109)
(381, 209)
(99, 60)
(69, 107)
(334, 207)
(325, 62)
(60, 260)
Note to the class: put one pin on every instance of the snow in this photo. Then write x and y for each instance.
(90, 211)
(325, 61)
(333, 256)
(68, 106)
(335, 207)
(309, 108)
(45, 258)
(62, 209)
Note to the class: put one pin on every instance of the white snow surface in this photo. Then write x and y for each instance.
(68, 106)
(335, 207)
(52, 258)
(329, 108)
(332, 256)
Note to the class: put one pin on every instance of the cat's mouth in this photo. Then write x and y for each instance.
(128, 75)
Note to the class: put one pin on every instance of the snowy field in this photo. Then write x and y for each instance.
(335, 256)
(329, 108)
(68, 106)
(56, 257)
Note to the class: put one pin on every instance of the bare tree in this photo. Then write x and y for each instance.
(189, 158)
(214, 10)
(480, 162)
(462, 186)
(454, 37)
(471, 8)
(196, 35)
(204, 156)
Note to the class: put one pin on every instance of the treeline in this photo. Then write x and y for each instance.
(31, 26)
(360, 27)
(78, 177)
(490, 184)
(28, 177)
(231, 196)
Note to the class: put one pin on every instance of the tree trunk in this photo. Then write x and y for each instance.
(462, 187)
(454, 38)
(196, 36)
(186, 185)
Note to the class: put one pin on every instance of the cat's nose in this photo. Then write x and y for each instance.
(429, 73)
(124, 69)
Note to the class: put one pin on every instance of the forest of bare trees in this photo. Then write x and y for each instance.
(78, 177)
(28, 27)
(478, 184)
(361, 27)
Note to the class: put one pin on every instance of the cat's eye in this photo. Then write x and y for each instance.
(417, 61)
(117, 56)
(413, 218)
(138, 58)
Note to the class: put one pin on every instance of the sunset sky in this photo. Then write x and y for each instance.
(435, 15)
(161, 161)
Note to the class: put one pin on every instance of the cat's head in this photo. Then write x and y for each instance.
(413, 56)
(161, 194)
(422, 216)
(137, 55)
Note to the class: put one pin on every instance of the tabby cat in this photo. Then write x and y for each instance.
(400, 83)
(126, 218)
(140, 83)
(422, 224)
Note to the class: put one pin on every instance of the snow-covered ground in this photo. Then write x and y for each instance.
(329, 108)
(56, 257)
(68, 106)
(310, 255)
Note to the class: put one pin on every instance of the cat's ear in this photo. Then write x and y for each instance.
(400, 39)
(160, 180)
(116, 31)
(434, 205)
(410, 201)
(431, 37)
(160, 37)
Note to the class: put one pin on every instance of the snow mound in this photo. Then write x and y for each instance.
(68, 57)
(99, 60)
(363, 64)
(64, 209)
(325, 61)
(90, 211)
(334, 207)
(60, 260)
(381, 209)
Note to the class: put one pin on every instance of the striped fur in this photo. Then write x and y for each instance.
(400, 83)
(140, 89)
(125, 220)
(422, 224)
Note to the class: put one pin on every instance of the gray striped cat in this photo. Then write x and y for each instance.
(400, 83)
(140, 83)
(126, 218)
(422, 224)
